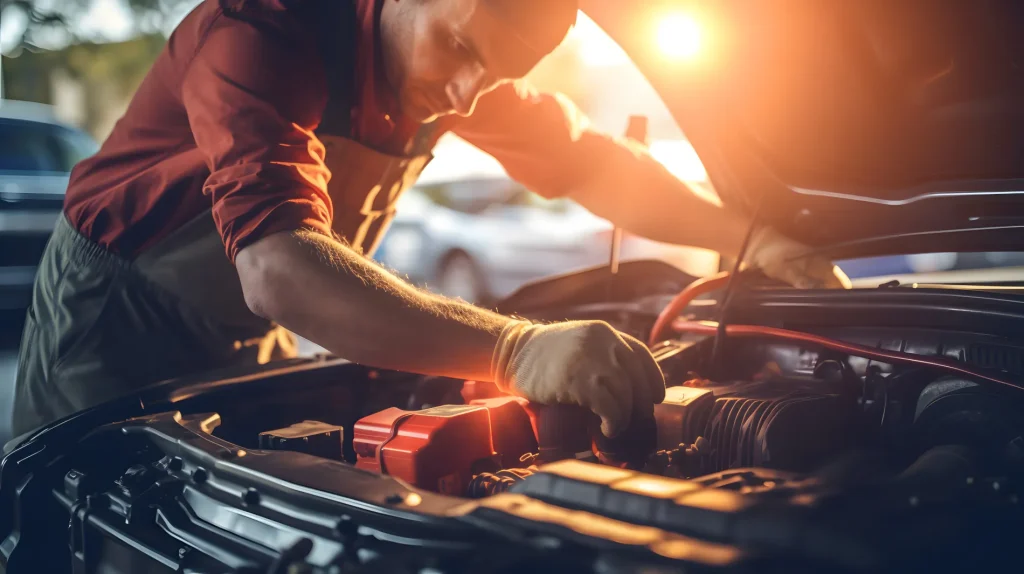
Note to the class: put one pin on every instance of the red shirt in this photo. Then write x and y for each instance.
(225, 119)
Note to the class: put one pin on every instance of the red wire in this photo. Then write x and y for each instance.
(680, 302)
(710, 328)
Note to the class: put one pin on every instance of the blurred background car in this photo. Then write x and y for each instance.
(37, 153)
(467, 230)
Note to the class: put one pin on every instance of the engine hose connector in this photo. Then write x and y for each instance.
(488, 484)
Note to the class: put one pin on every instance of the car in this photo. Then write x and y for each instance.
(467, 230)
(877, 429)
(37, 153)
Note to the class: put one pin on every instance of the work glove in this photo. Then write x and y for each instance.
(779, 257)
(585, 363)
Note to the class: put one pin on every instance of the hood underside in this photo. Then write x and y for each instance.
(862, 128)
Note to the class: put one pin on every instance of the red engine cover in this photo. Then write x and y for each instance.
(440, 449)
(512, 432)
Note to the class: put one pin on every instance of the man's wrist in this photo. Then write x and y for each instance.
(504, 351)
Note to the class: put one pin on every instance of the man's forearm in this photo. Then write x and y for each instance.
(637, 193)
(324, 291)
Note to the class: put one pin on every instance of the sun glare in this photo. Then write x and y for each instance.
(597, 49)
(678, 36)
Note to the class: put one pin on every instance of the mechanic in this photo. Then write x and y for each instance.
(258, 165)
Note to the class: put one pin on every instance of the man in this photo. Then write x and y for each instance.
(259, 162)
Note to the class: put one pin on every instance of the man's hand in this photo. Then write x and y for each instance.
(587, 363)
(325, 292)
(781, 258)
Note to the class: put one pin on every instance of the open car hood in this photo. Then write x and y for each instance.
(862, 128)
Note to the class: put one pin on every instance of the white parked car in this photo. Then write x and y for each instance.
(467, 230)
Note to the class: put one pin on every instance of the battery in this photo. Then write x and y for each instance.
(437, 449)
(442, 448)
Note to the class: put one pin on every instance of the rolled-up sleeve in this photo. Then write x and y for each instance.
(542, 140)
(253, 96)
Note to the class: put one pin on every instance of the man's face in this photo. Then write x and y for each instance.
(441, 55)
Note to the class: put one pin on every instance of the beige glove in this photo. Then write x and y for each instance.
(771, 252)
(586, 363)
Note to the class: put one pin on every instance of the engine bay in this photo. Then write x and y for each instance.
(860, 446)
(783, 408)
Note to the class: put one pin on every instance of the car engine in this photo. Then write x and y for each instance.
(740, 405)
(484, 443)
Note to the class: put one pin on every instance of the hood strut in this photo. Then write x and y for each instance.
(721, 332)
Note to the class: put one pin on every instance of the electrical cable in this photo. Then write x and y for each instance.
(680, 302)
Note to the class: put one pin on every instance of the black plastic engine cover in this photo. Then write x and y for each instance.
(756, 425)
(311, 437)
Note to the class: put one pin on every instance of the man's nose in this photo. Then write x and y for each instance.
(465, 88)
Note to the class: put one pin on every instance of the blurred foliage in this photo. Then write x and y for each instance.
(124, 63)
(104, 71)
(46, 17)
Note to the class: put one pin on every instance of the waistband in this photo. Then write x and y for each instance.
(80, 249)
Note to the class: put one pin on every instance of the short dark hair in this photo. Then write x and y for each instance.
(541, 25)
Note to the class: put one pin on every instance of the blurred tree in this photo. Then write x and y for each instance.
(49, 18)
(105, 74)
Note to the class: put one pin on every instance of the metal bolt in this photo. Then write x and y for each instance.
(176, 464)
(346, 528)
(199, 475)
(183, 552)
(251, 497)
